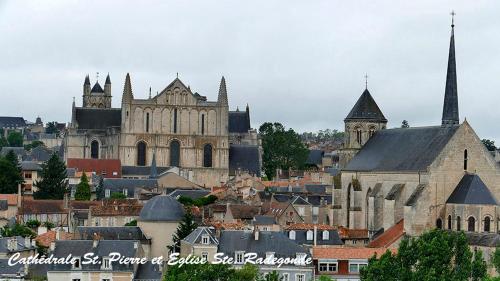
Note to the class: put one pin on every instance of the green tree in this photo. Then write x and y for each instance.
(10, 174)
(479, 267)
(435, 255)
(117, 195)
(51, 128)
(131, 223)
(283, 149)
(405, 124)
(200, 272)
(495, 259)
(247, 272)
(33, 223)
(49, 225)
(186, 226)
(15, 139)
(17, 230)
(82, 192)
(53, 184)
(324, 278)
(33, 144)
(3, 141)
(272, 276)
(490, 145)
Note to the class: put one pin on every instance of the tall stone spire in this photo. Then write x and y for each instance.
(153, 174)
(127, 90)
(222, 98)
(450, 106)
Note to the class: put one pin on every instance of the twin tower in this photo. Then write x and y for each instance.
(97, 97)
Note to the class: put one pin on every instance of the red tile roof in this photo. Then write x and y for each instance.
(346, 233)
(346, 253)
(391, 235)
(50, 236)
(11, 199)
(112, 168)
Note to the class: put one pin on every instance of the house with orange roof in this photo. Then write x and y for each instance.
(343, 263)
(389, 238)
(8, 207)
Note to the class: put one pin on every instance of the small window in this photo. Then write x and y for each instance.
(239, 257)
(309, 235)
(107, 193)
(300, 277)
(449, 222)
(204, 255)
(301, 211)
(175, 153)
(465, 159)
(471, 224)
(94, 149)
(77, 263)
(459, 227)
(203, 124)
(147, 122)
(175, 120)
(205, 239)
(285, 277)
(487, 222)
(439, 223)
(207, 155)
(106, 263)
(291, 235)
(125, 192)
(356, 267)
(326, 235)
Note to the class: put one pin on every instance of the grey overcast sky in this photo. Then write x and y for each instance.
(301, 63)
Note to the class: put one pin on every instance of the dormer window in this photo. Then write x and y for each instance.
(238, 256)
(107, 193)
(77, 263)
(326, 235)
(309, 235)
(106, 263)
(291, 235)
(205, 239)
(125, 192)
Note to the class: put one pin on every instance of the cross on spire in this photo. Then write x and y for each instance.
(453, 18)
(366, 80)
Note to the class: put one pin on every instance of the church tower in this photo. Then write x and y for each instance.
(364, 119)
(97, 97)
(450, 105)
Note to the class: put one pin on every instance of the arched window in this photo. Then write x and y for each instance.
(326, 235)
(487, 222)
(291, 235)
(371, 131)
(465, 159)
(359, 136)
(207, 155)
(449, 222)
(147, 122)
(94, 149)
(203, 124)
(141, 154)
(471, 224)
(459, 227)
(175, 120)
(439, 224)
(175, 153)
(309, 235)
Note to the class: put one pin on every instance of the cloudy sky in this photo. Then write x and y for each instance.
(301, 63)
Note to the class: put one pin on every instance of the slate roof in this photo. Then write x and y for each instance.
(148, 272)
(12, 122)
(472, 190)
(402, 149)
(98, 118)
(30, 166)
(97, 88)
(78, 248)
(110, 233)
(239, 122)
(244, 157)
(118, 185)
(277, 242)
(264, 220)
(21, 244)
(11, 271)
(315, 157)
(141, 170)
(301, 237)
(244, 212)
(19, 151)
(366, 108)
(191, 193)
(162, 208)
(316, 188)
(196, 235)
(39, 154)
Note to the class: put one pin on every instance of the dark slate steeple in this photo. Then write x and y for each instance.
(222, 98)
(153, 171)
(108, 80)
(450, 106)
(366, 109)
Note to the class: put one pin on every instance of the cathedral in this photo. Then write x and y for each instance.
(423, 177)
(176, 128)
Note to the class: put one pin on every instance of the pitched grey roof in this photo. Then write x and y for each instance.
(366, 109)
(239, 122)
(472, 190)
(98, 118)
(395, 190)
(196, 235)
(244, 157)
(316, 188)
(402, 149)
(97, 88)
(148, 272)
(141, 170)
(450, 105)
(162, 208)
(21, 244)
(40, 154)
(319, 200)
(119, 184)
(301, 237)
(191, 193)
(12, 122)
(11, 271)
(78, 248)
(30, 166)
(277, 242)
(110, 233)
(415, 195)
(19, 151)
(264, 220)
(315, 157)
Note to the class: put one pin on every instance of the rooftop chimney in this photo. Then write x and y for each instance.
(315, 234)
